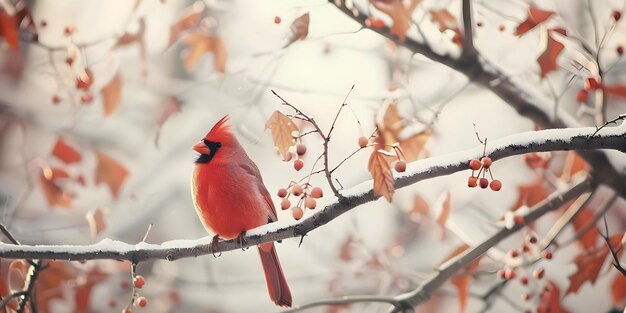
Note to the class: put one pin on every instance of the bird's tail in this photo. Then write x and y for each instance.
(276, 283)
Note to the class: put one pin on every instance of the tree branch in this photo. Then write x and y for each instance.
(468, 31)
(536, 141)
(524, 99)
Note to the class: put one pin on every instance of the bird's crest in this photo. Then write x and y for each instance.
(220, 130)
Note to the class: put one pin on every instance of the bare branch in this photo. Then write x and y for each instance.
(468, 30)
(546, 140)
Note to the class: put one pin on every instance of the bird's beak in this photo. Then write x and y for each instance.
(201, 148)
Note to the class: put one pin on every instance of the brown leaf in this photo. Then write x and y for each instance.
(381, 172)
(445, 211)
(97, 222)
(462, 279)
(200, 44)
(589, 263)
(299, 29)
(535, 17)
(420, 205)
(618, 289)
(616, 90)
(572, 165)
(398, 13)
(65, 152)
(111, 95)
(282, 128)
(18, 270)
(530, 195)
(110, 172)
(551, 299)
(137, 37)
(57, 275)
(171, 107)
(9, 29)
(589, 239)
(346, 252)
(188, 21)
(53, 193)
(82, 295)
(413, 147)
(547, 60)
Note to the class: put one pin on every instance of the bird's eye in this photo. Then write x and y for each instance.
(219, 144)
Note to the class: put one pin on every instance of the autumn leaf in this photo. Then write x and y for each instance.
(462, 279)
(200, 44)
(618, 289)
(582, 219)
(589, 263)
(111, 95)
(82, 296)
(550, 299)
(535, 17)
(445, 210)
(97, 222)
(53, 193)
(573, 164)
(18, 270)
(299, 29)
(399, 15)
(530, 194)
(282, 129)
(9, 29)
(381, 172)
(65, 152)
(171, 108)
(547, 60)
(446, 21)
(390, 130)
(420, 205)
(137, 37)
(110, 172)
(188, 21)
(616, 90)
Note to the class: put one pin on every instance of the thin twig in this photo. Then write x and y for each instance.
(346, 300)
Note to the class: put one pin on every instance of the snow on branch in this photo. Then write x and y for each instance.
(547, 140)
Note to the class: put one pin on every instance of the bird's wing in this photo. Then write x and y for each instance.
(253, 170)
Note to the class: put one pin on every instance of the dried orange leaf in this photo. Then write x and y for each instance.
(82, 296)
(398, 13)
(282, 128)
(65, 152)
(9, 29)
(582, 219)
(200, 44)
(299, 29)
(445, 210)
(392, 125)
(547, 60)
(171, 107)
(381, 172)
(53, 193)
(111, 95)
(185, 23)
(463, 278)
(615, 90)
(110, 172)
(535, 17)
(589, 263)
(420, 205)
(618, 289)
(18, 270)
(446, 21)
(97, 222)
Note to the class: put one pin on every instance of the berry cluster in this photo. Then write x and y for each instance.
(138, 282)
(298, 163)
(306, 197)
(483, 167)
(527, 254)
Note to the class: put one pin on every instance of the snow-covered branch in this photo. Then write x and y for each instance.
(547, 140)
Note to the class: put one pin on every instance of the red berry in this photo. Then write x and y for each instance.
(69, 61)
(547, 255)
(526, 248)
(277, 19)
(296, 190)
(617, 15)
(513, 253)
(84, 80)
(524, 281)
(581, 96)
(68, 30)
(539, 273)
(525, 296)
(484, 183)
(362, 142)
(472, 181)
(112, 303)
(495, 185)
(86, 97)
(138, 281)
(475, 164)
(591, 83)
(620, 50)
(400, 166)
(509, 274)
(297, 213)
(142, 301)
(532, 239)
(501, 28)
(300, 149)
(486, 162)
(316, 192)
(282, 192)
(375, 23)
(502, 273)
(285, 204)
(127, 310)
(310, 203)
(298, 164)
(288, 157)
(518, 219)
(56, 99)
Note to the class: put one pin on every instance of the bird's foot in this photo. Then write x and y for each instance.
(213, 246)
(242, 241)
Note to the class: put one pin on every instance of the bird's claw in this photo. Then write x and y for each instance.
(242, 241)
(213, 246)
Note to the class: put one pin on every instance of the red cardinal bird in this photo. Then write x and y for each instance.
(230, 198)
